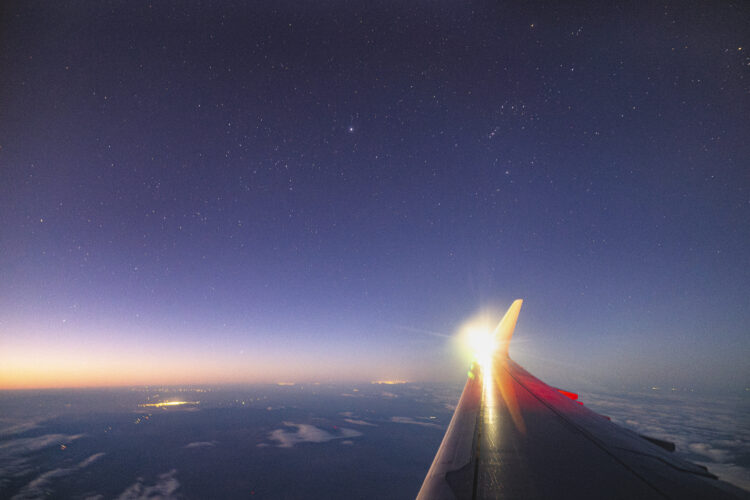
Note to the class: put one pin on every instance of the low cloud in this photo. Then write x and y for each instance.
(14, 461)
(18, 428)
(42, 485)
(32, 444)
(306, 433)
(359, 422)
(739, 476)
(704, 430)
(409, 420)
(709, 451)
(200, 444)
(165, 487)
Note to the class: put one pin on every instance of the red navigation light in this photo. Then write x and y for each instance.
(571, 395)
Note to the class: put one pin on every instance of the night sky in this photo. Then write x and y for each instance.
(327, 190)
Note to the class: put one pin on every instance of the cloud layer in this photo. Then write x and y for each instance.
(15, 454)
(165, 488)
(306, 433)
(409, 420)
(201, 444)
(41, 486)
(704, 431)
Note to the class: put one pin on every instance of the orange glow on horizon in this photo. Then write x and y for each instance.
(39, 357)
(66, 369)
(63, 368)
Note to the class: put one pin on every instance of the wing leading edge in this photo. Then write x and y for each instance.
(513, 436)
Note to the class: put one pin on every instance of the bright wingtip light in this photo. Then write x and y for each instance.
(484, 342)
(483, 345)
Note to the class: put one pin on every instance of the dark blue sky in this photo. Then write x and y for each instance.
(299, 190)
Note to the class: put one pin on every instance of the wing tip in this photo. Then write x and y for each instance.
(506, 327)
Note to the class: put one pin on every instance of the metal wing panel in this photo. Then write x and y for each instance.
(526, 450)
(664, 473)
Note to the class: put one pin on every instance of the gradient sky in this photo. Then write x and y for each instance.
(328, 190)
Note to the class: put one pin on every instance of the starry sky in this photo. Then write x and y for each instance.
(205, 192)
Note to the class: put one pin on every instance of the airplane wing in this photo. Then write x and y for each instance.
(513, 436)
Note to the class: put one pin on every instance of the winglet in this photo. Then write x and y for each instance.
(504, 330)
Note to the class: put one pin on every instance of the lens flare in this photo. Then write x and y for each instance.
(476, 340)
(483, 345)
